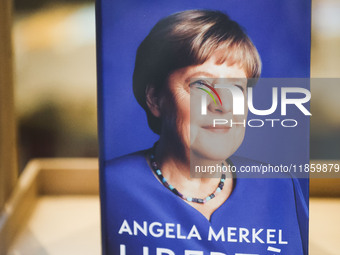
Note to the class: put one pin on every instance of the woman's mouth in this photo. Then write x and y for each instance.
(217, 128)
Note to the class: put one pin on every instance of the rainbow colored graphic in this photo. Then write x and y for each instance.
(209, 93)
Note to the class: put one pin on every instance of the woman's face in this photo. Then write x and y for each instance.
(181, 110)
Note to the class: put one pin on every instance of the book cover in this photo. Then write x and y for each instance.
(203, 113)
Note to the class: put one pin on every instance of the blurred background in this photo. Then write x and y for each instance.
(55, 79)
(325, 63)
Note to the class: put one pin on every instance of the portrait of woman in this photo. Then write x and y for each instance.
(153, 204)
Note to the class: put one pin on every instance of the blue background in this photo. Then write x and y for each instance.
(279, 29)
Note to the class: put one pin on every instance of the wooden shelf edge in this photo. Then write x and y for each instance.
(18, 208)
(57, 176)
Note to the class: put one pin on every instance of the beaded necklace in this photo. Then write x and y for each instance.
(164, 181)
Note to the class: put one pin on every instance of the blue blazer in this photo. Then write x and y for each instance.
(141, 216)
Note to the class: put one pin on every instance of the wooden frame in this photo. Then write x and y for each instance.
(74, 176)
(8, 152)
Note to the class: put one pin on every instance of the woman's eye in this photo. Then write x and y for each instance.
(197, 84)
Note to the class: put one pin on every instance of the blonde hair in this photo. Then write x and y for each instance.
(190, 38)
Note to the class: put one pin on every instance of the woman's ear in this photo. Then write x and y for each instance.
(153, 101)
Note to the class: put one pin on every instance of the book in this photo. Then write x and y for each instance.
(203, 121)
